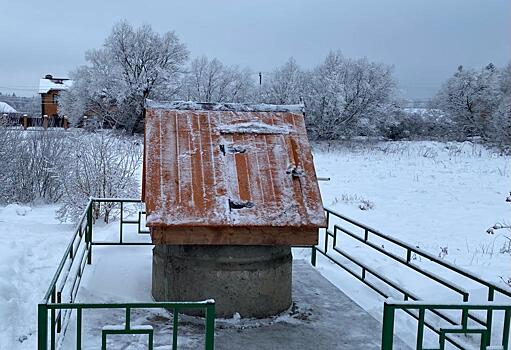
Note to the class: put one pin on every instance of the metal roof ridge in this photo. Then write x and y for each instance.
(233, 107)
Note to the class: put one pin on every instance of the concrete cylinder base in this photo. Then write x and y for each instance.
(254, 281)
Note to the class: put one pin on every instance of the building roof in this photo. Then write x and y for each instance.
(47, 84)
(5, 108)
(230, 165)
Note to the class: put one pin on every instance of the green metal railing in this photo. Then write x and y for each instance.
(59, 302)
(389, 310)
(372, 238)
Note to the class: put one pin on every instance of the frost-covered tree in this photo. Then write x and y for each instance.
(346, 95)
(211, 81)
(471, 97)
(133, 64)
(501, 119)
(286, 84)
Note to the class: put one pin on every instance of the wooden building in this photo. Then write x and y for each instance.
(49, 89)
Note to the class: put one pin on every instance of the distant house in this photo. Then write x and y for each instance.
(5, 108)
(49, 89)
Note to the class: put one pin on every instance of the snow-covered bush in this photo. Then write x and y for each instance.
(102, 164)
(427, 124)
(29, 164)
(67, 167)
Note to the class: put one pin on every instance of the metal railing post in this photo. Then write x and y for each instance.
(210, 326)
(42, 327)
(505, 333)
(121, 222)
(387, 337)
(79, 329)
(175, 324)
(489, 317)
(88, 237)
(420, 328)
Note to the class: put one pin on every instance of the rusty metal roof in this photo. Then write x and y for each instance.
(208, 165)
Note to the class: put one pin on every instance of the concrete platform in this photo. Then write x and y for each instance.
(321, 317)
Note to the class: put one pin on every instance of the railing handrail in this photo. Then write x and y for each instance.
(117, 200)
(140, 305)
(424, 253)
(78, 253)
(390, 306)
(399, 304)
(62, 263)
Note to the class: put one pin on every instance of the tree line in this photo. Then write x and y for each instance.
(344, 97)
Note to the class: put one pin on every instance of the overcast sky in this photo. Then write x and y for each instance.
(425, 40)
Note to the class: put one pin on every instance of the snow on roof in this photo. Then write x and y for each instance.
(235, 107)
(5, 108)
(216, 170)
(46, 85)
(252, 128)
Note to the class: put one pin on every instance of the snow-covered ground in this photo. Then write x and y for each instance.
(32, 243)
(441, 197)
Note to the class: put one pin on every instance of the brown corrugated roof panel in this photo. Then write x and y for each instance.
(229, 174)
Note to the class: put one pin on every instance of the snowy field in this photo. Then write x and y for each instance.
(441, 197)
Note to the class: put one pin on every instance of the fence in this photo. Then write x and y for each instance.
(26, 121)
(367, 236)
(59, 302)
(390, 308)
(55, 311)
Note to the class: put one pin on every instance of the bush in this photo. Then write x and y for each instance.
(69, 167)
(102, 164)
(416, 125)
(29, 165)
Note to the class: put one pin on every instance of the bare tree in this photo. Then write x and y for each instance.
(286, 84)
(211, 81)
(501, 118)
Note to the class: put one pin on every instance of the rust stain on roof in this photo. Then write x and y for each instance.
(218, 168)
